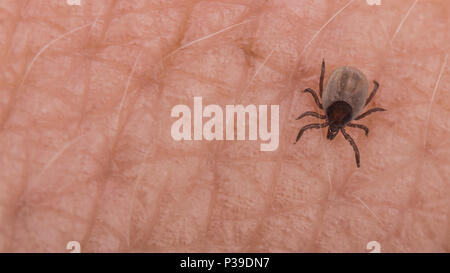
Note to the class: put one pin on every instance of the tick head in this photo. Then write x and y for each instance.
(332, 132)
(339, 114)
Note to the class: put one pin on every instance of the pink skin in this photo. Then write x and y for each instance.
(86, 153)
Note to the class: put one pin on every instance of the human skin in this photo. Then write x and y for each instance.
(85, 147)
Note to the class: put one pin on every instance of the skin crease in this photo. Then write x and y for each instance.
(86, 153)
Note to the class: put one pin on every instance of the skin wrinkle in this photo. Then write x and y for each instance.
(218, 149)
(102, 177)
(219, 146)
(220, 196)
(145, 155)
(154, 218)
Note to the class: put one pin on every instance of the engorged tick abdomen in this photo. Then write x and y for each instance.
(346, 84)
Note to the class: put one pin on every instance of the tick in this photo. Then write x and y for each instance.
(343, 99)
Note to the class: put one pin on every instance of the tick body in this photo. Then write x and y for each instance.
(344, 98)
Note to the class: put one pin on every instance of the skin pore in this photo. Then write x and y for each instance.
(86, 153)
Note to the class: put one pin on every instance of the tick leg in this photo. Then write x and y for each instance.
(322, 75)
(360, 126)
(310, 113)
(355, 148)
(310, 126)
(374, 91)
(313, 93)
(368, 112)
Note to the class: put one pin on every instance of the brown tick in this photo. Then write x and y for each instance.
(344, 97)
